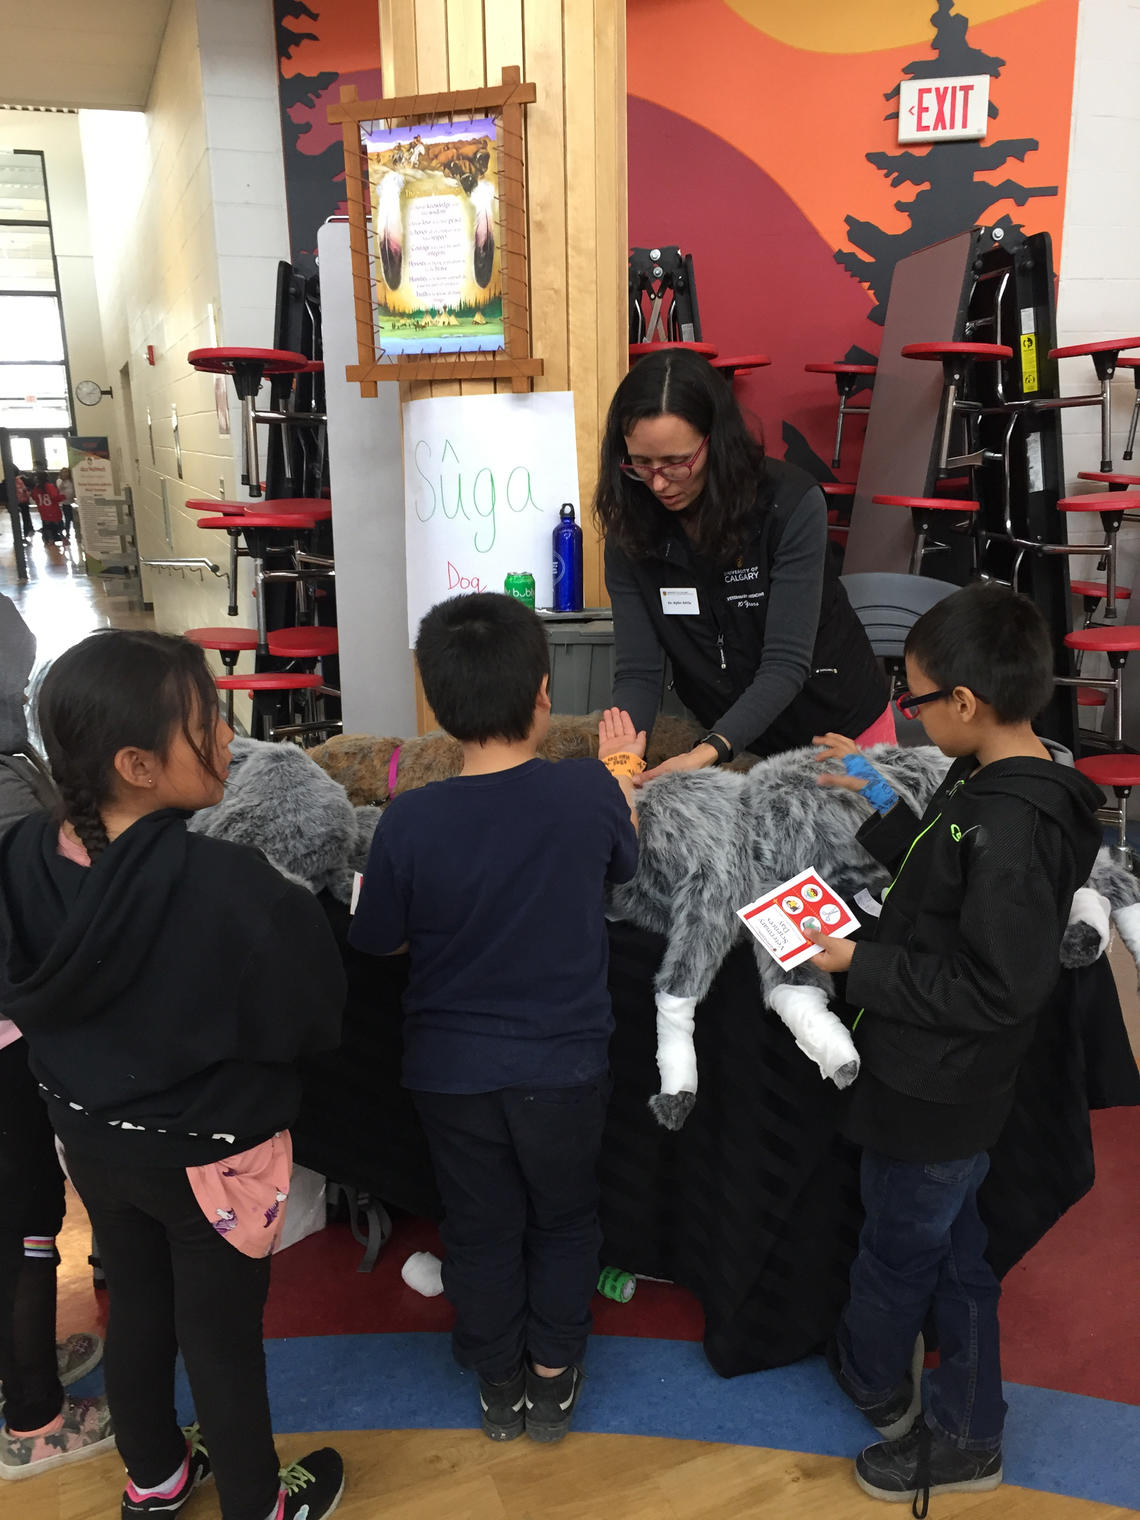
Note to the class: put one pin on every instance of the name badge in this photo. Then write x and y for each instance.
(676, 601)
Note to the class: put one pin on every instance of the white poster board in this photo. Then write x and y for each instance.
(484, 477)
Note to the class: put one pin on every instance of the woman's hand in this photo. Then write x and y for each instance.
(617, 735)
(835, 955)
(835, 747)
(698, 759)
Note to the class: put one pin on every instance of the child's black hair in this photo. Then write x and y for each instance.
(117, 690)
(991, 640)
(482, 659)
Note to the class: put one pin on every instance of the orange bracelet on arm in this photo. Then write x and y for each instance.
(624, 764)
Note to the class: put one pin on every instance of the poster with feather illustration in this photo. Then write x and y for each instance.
(435, 245)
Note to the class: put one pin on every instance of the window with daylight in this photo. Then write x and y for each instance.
(34, 389)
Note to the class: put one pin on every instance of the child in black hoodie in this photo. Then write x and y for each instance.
(965, 955)
(166, 985)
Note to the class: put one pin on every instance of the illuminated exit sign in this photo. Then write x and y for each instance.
(944, 110)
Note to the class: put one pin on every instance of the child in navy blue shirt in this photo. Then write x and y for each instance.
(493, 881)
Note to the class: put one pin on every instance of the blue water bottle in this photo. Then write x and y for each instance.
(567, 562)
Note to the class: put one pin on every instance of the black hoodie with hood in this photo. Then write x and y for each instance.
(166, 991)
(966, 952)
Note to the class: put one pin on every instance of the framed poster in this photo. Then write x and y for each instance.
(435, 243)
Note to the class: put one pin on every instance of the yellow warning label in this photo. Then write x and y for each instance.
(1028, 362)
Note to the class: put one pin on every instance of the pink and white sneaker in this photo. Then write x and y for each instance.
(82, 1429)
(77, 1356)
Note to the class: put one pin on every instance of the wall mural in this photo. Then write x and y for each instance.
(773, 159)
(321, 45)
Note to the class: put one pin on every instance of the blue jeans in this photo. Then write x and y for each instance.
(922, 1249)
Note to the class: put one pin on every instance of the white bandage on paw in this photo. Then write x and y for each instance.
(423, 1272)
(676, 1056)
(817, 1031)
(1089, 907)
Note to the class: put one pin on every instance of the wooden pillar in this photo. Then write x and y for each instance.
(573, 51)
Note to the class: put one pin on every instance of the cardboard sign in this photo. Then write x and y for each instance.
(776, 918)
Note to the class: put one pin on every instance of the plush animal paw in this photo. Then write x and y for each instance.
(1086, 936)
(672, 1109)
(844, 1075)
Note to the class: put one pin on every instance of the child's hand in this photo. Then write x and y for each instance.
(835, 954)
(617, 735)
(836, 747)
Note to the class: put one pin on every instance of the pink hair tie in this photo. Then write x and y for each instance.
(393, 767)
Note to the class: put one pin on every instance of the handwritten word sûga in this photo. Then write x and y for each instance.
(449, 489)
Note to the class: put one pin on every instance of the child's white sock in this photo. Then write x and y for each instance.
(165, 1490)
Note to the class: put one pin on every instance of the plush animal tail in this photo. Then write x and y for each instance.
(676, 1060)
(818, 1032)
(1122, 890)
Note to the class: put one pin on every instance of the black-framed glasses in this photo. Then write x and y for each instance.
(908, 704)
(680, 471)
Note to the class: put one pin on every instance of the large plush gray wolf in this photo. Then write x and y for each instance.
(711, 841)
(714, 841)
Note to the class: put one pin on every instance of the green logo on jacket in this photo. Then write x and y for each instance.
(955, 833)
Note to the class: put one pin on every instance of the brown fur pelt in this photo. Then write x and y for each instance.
(360, 763)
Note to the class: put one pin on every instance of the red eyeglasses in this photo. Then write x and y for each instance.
(908, 704)
(682, 470)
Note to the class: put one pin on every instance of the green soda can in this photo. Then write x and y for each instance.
(520, 585)
(616, 1284)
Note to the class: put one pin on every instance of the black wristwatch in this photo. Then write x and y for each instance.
(722, 746)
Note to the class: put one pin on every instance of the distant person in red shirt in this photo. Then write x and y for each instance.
(48, 501)
(24, 501)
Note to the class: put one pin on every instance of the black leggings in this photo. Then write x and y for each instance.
(175, 1285)
(31, 1203)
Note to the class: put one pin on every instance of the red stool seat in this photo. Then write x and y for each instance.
(956, 350)
(1109, 477)
(1088, 696)
(1101, 501)
(1111, 770)
(639, 350)
(1121, 640)
(1098, 589)
(316, 507)
(225, 361)
(835, 488)
(840, 369)
(291, 520)
(227, 508)
(746, 361)
(270, 680)
(228, 639)
(1101, 346)
(926, 503)
(303, 643)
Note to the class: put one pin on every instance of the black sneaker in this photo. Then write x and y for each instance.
(924, 1463)
(503, 1405)
(197, 1471)
(891, 1417)
(550, 1403)
(312, 1486)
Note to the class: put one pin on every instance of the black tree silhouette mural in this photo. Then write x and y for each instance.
(954, 198)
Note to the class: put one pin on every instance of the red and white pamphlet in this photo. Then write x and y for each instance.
(776, 918)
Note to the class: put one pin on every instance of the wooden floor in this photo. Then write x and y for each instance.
(459, 1475)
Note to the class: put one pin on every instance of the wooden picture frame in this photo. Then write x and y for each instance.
(515, 361)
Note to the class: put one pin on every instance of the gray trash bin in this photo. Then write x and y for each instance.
(582, 664)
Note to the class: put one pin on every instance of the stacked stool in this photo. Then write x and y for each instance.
(285, 538)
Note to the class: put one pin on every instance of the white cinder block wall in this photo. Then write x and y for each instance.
(189, 222)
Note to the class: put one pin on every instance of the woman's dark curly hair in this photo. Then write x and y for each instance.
(679, 383)
(115, 690)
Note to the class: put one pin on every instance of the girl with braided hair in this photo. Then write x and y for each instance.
(167, 984)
